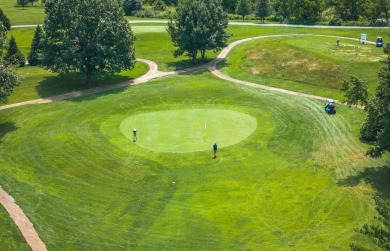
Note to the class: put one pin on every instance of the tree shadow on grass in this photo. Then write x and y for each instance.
(377, 177)
(7, 127)
(187, 63)
(71, 82)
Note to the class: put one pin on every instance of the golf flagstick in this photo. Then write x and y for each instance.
(204, 135)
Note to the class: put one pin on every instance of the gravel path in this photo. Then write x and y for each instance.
(14, 210)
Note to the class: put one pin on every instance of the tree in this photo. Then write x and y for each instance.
(4, 20)
(197, 26)
(262, 9)
(8, 76)
(348, 10)
(376, 127)
(379, 234)
(307, 10)
(243, 8)
(281, 8)
(32, 2)
(356, 91)
(130, 6)
(23, 3)
(90, 36)
(13, 55)
(36, 52)
(229, 5)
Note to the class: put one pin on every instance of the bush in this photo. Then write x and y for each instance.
(131, 6)
(335, 22)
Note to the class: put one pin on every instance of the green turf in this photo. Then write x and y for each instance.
(39, 83)
(19, 16)
(185, 130)
(313, 65)
(10, 236)
(279, 189)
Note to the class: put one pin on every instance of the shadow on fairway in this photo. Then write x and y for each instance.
(7, 127)
(187, 63)
(61, 84)
(377, 177)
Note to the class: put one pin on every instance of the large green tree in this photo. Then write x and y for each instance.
(8, 76)
(4, 20)
(22, 3)
(130, 6)
(281, 8)
(262, 9)
(305, 10)
(349, 10)
(356, 91)
(243, 8)
(36, 52)
(198, 26)
(229, 5)
(376, 127)
(90, 36)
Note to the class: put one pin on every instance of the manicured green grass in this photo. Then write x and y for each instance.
(277, 189)
(19, 16)
(10, 236)
(312, 65)
(185, 130)
(39, 83)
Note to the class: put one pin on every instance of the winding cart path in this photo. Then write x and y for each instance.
(21, 220)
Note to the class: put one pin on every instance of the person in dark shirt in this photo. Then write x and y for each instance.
(215, 148)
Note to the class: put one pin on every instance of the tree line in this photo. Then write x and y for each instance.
(303, 11)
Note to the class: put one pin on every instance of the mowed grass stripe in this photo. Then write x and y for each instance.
(272, 190)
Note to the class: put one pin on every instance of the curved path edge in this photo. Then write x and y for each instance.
(16, 213)
(24, 224)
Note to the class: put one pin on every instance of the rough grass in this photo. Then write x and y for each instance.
(278, 189)
(312, 65)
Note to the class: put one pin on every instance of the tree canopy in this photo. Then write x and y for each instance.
(90, 36)
(8, 76)
(36, 52)
(356, 91)
(376, 127)
(243, 8)
(4, 20)
(197, 26)
(13, 55)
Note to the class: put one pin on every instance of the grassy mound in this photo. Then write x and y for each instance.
(280, 188)
(312, 65)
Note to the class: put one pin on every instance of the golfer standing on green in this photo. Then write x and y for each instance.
(215, 148)
(134, 135)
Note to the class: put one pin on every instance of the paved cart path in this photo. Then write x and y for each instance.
(23, 223)
(14, 210)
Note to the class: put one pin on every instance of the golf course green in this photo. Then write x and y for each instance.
(188, 130)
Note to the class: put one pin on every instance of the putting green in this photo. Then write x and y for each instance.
(188, 130)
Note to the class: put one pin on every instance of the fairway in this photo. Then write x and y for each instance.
(274, 187)
(287, 176)
(188, 130)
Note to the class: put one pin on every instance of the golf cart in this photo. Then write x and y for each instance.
(330, 106)
(379, 42)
